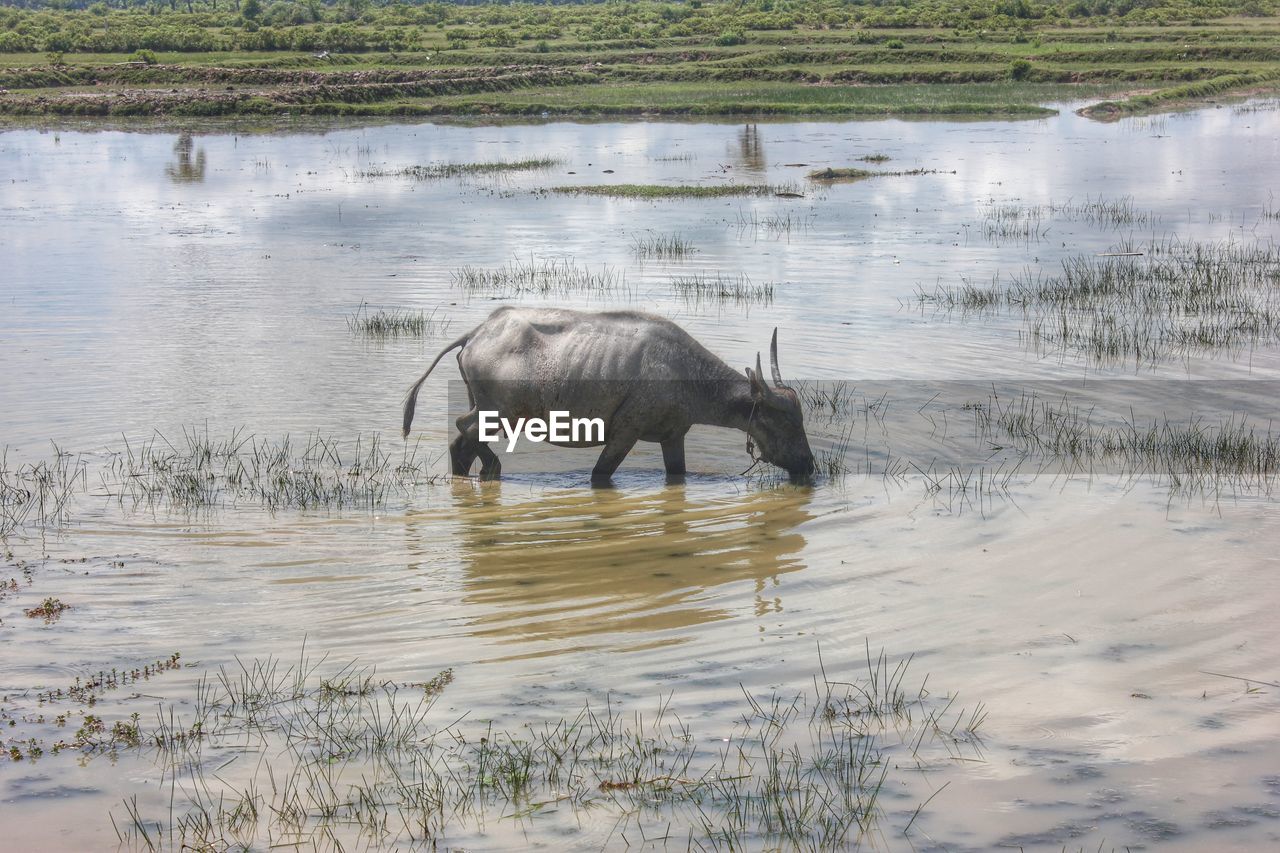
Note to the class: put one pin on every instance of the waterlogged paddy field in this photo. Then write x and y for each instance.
(1033, 592)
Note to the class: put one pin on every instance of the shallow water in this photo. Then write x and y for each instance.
(155, 283)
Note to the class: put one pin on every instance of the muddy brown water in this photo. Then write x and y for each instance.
(155, 281)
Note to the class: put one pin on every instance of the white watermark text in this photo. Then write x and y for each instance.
(559, 428)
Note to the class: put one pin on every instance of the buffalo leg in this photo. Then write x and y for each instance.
(615, 450)
(490, 467)
(462, 452)
(469, 446)
(673, 456)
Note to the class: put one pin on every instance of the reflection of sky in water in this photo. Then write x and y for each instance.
(153, 280)
(159, 279)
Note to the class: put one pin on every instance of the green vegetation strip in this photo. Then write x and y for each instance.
(647, 191)
(853, 173)
(805, 57)
(457, 170)
(1223, 84)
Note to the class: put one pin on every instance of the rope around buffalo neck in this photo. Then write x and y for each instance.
(751, 445)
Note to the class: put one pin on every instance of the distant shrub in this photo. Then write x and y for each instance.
(728, 38)
(894, 44)
(1019, 69)
(56, 58)
(11, 42)
(257, 106)
(145, 55)
(497, 37)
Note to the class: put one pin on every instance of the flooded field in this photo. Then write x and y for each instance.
(1029, 601)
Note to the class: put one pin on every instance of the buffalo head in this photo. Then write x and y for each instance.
(777, 423)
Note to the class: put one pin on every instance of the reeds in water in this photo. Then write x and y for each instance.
(356, 756)
(201, 471)
(718, 287)
(439, 171)
(545, 277)
(670, 247)
(38, 493)
(394, 323)
(1140, 304)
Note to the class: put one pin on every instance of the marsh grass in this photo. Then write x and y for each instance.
(1190, 453)
(395, 323)
(440, 171)
(671, 247)
(358, 758)
(1143, 305)
(847, 173)
(717, 287)
(201, 471)
(776, 224)
(1031, 222)
(966, 297)
(38, 493)
(963, 444)
(1186, 93)
(50, 610)
(1269, 210)
(1014, 222)
(853, 173)
(671, 191)
(1119, 212)
(549, 276)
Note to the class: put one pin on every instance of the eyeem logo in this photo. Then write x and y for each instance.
(559, 428)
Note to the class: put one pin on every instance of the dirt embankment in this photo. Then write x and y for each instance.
(132, 89)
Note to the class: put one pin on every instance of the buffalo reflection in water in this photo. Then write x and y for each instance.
(570, 565)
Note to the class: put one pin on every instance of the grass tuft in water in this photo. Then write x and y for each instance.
(50, 610)
(853, 173)
(38, 493)
(776, 224)
(440, 171)
(201, 472)
(395, 323)
(545, 277)
(717, 287)
(668, 191)
(670, 247)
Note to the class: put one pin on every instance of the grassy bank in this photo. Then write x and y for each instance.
(989, 59)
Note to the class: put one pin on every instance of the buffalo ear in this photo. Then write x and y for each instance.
(760, 391)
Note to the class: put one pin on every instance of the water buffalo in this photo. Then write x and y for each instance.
(643, 376)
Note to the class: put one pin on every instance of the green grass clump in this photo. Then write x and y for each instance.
(670, 247)
(49, 610)
(660, 191)
(853, 173)
(1185, 94)
(560, 276)
(846, 173)
(394, 323)
(455, 170)
(717, 287)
